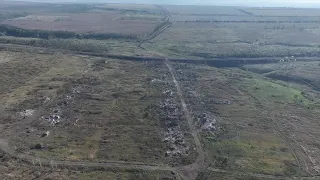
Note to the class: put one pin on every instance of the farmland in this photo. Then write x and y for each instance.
(95, 23)
(88, 19)
(238, 35)
(130, 91)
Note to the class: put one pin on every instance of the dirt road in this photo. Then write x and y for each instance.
(190, 171)
(47, 162)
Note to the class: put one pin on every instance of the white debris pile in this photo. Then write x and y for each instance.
(224, 101)
(27, 113)
(175, 142)
(52, 119)
(168, 93)
(47, 99)
(207, 123)
(194, 94)
(173, 135)
(168, 105)
(45, 134)
(169, 112)
(157, 81)
(76, 90)
(68, 97)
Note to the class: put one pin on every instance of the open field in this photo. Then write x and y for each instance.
(12, 169)
(204, 33)
(255, 121)
(289, 12)
(86, 19)
(120, 91)
(302, 73)
(203, 10)
(198, 40)
(114, 46)
(81, 102)
(107, 22)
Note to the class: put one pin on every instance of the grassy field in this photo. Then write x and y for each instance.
(303, 73)
(112, 46)
(13, 169)
(102, 22)
(200, 10)
(298, 12)
(254, 131)
(255, 121)
(106, 107)
(207, 32)
(209, 40)
(112, 19)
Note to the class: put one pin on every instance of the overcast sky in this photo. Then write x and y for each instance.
(282, 3)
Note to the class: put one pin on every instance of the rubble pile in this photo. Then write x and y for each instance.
(175, 141)
(52, 119)
(168, 93)
(27, 113)
(173, 136)
(55, 117)
(207, 123)
(76, 90)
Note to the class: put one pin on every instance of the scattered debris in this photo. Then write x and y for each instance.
(75, 124)
(27, 113)
(76, 90)
(216, 101)
(175, 141)
(173, 136)
(31, 130)
(52, 119)
(38, 146)
(45, 134)
(194, 94)
(68, 97)
(157, 81)
(168, 93)
(207, 123)
(47, 99)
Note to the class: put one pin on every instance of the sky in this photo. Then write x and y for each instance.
(258, 3)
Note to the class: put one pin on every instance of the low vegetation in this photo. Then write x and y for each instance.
(160, 92)
(18, 32)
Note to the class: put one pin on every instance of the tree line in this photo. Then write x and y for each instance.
(45, 34)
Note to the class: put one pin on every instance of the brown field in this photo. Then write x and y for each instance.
(136, 20)
(132, 7)
(104, 22)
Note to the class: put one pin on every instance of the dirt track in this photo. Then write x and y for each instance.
(190, 171)
(47, 162)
